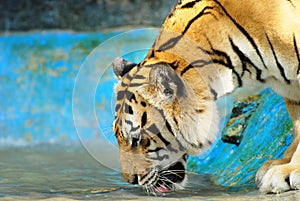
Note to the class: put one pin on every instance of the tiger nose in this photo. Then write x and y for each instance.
(134, 179)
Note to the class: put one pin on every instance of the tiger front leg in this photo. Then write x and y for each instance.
(282, 175)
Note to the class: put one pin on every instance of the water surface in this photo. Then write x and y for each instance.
(68, 171)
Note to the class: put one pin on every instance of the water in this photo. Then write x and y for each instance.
(67, 171)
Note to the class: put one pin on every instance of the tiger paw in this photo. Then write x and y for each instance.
(267, 166)
(280, 178)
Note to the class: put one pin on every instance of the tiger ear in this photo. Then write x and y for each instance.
(164, 86)
(122, 66)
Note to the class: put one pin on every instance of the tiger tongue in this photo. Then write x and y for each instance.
(162, 189)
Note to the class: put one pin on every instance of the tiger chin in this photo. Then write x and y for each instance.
(166, 104)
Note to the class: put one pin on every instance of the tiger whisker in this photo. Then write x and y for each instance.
(184, 171)
(152, 190)
(147, 190)
(162, 178)
(172, 173)
(181, 171)
(168, 180)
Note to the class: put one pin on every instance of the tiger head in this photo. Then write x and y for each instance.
(159, 119)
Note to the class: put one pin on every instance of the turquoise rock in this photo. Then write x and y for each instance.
(266, 133)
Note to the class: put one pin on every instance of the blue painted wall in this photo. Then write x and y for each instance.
(37, 74)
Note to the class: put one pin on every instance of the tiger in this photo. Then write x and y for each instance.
(205, 50)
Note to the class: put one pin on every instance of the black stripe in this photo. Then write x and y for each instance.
(155, 131)
(131, 125)
(128, 76)
(123, 84)
(170, 43)
(181, 147)
(244, 59)
(151, 53)
(203, 12)
(227, 64)
(173, 41)
(186, 69)
(128, 109)
(174, 65)
(133, 98)
(117, 108)
(128, 122)
(119, 122)
(145, 175)
(297, 53)
(169, 128)
(117, 133)
(122, 94)
(146, 135)
(144, 119)
(155, 150)
(135, 84)
(214, 93)
(161, 112)
(290, 1)
(190, 4)
(160, 158)
(279, 66)
(200, 63)
(139, 77)
(239, 80)
(167, 143)
(175, 120)
(133, 129)
(251, 40)
(196, 64)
